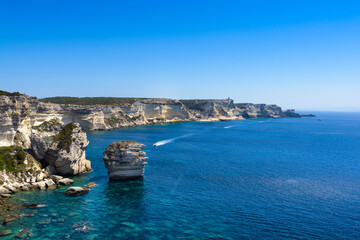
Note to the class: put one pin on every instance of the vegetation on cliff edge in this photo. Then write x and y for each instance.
(64, 136)
(90, 100)
(48, 126)
(12, 158)
(195, 103)
(10, 94)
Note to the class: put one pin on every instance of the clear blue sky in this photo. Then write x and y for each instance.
(300, 53)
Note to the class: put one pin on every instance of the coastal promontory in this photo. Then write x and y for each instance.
(66, 152)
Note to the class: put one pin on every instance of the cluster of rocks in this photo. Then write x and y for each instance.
(125, 160)
(64, 155)
(41, 181)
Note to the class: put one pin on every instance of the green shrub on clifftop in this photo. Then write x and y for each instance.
(64, 136)
(13, 94)
(11, 158)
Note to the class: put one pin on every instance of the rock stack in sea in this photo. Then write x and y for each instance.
(125, 160)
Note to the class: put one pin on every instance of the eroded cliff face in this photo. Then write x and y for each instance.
(21, 116)
(250, 110)
(125, 160)
(65, 154)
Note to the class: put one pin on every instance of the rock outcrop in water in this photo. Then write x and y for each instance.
(66, 152)
(125, 160)
(77, 191)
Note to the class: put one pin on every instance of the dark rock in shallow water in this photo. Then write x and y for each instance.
(77, 191)
(125, 160)
(30, 205)
(10, 219)
(5, 233)
(44, 222)
(23, 233)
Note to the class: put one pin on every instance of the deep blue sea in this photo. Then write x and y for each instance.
(290, 178)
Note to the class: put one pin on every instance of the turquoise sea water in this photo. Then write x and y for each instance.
(255, 179)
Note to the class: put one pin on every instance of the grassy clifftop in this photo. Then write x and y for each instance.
(10, 94)
(90, 100)
(191, 103)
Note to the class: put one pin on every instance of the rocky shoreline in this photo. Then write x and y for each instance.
(41, 143)
(42, 165)
(46, 137)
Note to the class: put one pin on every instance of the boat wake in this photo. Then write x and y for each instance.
(163, 142)
(231, 126)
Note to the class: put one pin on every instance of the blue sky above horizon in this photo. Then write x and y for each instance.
(298, 54)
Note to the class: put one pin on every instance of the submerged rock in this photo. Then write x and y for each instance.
(31, 205)
(125, 160)
(84, 229)
(90, 185)
(77, 191)
(10, 219)
(5, 233)
(23, 233)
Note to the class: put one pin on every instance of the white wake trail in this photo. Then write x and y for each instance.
(231, 126)
(166, 141)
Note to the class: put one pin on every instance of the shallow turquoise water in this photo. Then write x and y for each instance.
(254, 179)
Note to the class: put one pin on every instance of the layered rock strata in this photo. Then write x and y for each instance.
(21, 115)
(125, 160)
